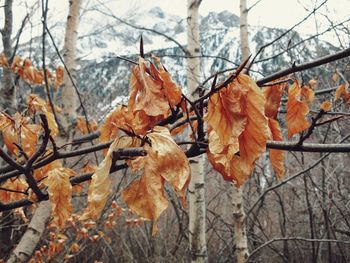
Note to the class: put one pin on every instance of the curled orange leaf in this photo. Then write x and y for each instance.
(342, 91)
(60, 194)
(37, 104)
(152, 93)
(99, 188)
(16, 184)
(82, 127)
(3, 61)
(43, 171)
(273, 95)
(250, 132)
(276, 156)
(307, 94)
(226, 112)
(17, 130)
(165, 161)
(297, 109)
(326, 105)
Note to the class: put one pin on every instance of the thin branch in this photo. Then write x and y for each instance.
(47, 88)
(285, 33)
(10, 161)
(314, 63)
(295, 239)
(269, 189)
(18, 37)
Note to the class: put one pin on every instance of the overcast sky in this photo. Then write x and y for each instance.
(271, 13)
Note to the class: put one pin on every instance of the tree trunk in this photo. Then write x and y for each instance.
(7, 103)
(7, 87)
(69, 95)
(197, 209)
(243, 20)
(31, 237)
(240, 236)
(42, 214)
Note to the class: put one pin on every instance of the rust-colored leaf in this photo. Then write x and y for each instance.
(82, 127)
(43, 171)
(297, 109)
(152, 93)
(326, 105)
(252, 142)
(226, 112)
(307, 94)
(170, 89)
(59, 77)
(3, 61)
(313, 83)
(17, 130)
(60, 194)
(276, 156)
(99, 188)
(164, 161)
(37, 104)
(251, 137)
(146, 197)
(273, 95)
(16, 184)
(169, 159)
(146, 92)
(342, 91)
(16, 64)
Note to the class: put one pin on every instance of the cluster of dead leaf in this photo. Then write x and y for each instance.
(31, 74)
(241, 119)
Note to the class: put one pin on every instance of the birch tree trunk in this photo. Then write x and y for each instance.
(7, 103)
(197, 209)
(31, 238)
(42, 214)
(7, 87)
(243, 20)
(69, 96)
(240, 236)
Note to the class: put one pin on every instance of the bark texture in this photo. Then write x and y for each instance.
(240, 229)
(240, 236)
(7, 87)
(243, 20)
(31, 237)
(197, 208)
(7, 103)
(69, 95)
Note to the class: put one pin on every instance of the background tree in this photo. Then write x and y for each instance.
(197, 208)
(8, 89)
(69, 92)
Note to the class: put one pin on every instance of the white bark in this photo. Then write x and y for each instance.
(31, 237)
(240, 236)
(7, 87)
(197, 209)
(243, 20)
(69, 96)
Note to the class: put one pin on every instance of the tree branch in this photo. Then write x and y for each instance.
(317, 62)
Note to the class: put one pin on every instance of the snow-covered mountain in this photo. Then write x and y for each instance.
(106, 76)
